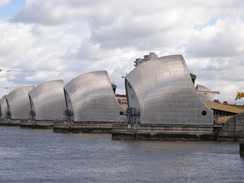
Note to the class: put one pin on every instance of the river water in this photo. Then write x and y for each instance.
(32, 156)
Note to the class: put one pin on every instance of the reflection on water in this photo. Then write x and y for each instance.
(42, 156)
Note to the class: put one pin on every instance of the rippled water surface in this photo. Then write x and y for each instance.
(31, 156)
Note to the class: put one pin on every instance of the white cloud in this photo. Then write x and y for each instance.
(42, 75)
(222, 74)
(15, 40)
(224, 38)
(63, 39)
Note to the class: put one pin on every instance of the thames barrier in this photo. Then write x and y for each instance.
(162, 103)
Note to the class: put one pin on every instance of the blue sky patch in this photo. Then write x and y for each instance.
(11, 9)
(210, 22)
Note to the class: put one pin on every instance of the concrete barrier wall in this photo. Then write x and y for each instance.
(83, 127)
(42, 124)
(162, 132)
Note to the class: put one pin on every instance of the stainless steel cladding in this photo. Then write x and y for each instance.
(4, 108)
(90, 97)
(19, 103)
(47, 101)
(160, 91)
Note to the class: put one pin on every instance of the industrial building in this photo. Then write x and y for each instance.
(122, 100)
(146, 58)
(232, 127)
(229, 119)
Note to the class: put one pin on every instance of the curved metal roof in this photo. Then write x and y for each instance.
(91, 98)
(4, 107)
(163, 93)
(204, 93)
(48, 101)
(19, 103)
(202, 88)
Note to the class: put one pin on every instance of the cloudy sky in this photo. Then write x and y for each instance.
(61, 39)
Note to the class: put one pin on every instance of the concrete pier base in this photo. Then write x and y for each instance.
(37, 124)
(10, 122)
(242, 148)
(82, 127)
(162, 132)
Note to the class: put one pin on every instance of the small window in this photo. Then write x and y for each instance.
(204, 113)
